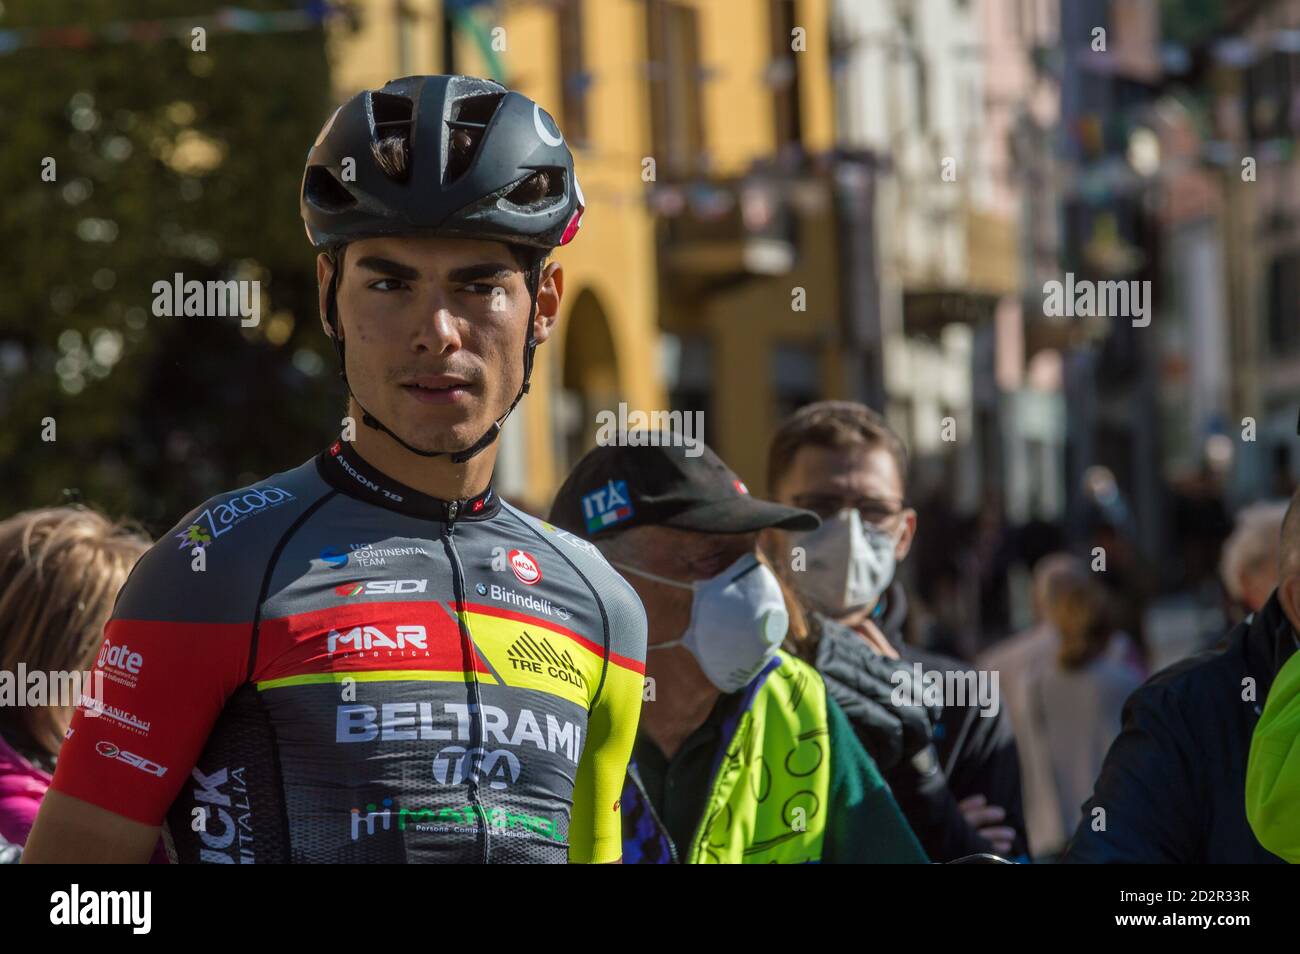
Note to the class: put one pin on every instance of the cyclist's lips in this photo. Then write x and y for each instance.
(439, 390)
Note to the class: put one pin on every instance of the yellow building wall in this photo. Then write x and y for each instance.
(747, 327)
(747, 323)
(738, 104)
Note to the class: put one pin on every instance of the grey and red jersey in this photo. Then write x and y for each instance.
(329, 666)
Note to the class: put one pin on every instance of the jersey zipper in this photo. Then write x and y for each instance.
(475, 754)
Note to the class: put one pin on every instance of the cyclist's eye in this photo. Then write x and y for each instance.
(482, 289)
(393, 283)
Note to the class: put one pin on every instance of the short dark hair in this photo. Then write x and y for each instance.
(831, 424)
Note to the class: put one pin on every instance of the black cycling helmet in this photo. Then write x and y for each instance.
(452, 156)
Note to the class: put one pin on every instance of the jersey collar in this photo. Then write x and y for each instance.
(345, 470)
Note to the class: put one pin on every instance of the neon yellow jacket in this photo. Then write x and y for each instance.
(1273, 769)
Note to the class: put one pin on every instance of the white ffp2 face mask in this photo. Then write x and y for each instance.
(738, 620)
(848, 564)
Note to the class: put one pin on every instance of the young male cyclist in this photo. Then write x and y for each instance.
(372, 657)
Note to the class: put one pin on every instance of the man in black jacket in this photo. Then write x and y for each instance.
(1172, 788)
(952, 766)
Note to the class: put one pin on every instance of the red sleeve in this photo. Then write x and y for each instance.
(153, 697)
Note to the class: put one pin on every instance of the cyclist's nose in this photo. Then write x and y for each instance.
(438, 331)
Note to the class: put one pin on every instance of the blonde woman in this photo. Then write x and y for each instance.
(60, 570)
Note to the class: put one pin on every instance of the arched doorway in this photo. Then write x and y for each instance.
(590, 380)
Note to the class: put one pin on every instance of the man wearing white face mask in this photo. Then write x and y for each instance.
(740, 754)
(953, 768)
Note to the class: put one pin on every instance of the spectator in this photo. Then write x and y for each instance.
(843, 462)
(1021, 662)
(1075, 701)
(1273, 770)
(1172, 788)
(741, 755)
(60, 570)
(1248, 563)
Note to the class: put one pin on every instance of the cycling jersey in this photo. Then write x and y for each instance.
(329, 666)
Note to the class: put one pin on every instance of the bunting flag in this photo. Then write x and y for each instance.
(308, 16)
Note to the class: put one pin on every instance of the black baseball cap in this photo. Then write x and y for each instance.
(617, 487)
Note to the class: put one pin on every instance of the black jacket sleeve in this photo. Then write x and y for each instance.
(986, 763)
(1139, 812)
(867, 687)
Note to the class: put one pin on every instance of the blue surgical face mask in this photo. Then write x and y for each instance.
(738, 620)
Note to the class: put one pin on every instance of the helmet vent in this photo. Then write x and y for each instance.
(535, 190)
(469, 118)
(326, 192)
(390, 133)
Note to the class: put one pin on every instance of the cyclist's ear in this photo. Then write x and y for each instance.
(550, 291)
(324, 272)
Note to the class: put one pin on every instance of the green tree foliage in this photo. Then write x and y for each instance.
(168, 160)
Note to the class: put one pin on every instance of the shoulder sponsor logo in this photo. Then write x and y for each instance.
(576, 542)
(606, 505)
(530, 654)
(366, 555)
(537, 604)
(526, 568)
(381, 587)
(222, 518)
(94, 708)
(119, 664)
(111, 751)
(372, 639)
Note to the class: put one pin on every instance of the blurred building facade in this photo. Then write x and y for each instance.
(1249, 104)
(952, 96)
(1179, 144)
(792, 200)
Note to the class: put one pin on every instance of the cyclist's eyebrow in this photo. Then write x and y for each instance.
(470, 273)
(386, 266)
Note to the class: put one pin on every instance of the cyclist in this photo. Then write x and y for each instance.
(372, 657)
